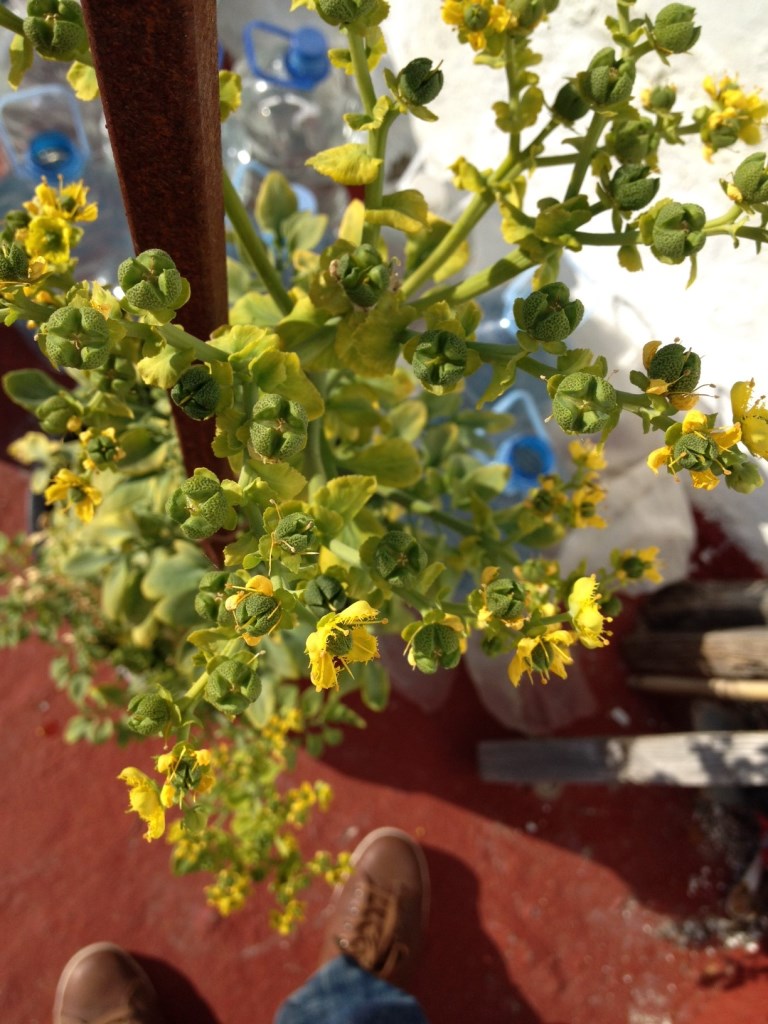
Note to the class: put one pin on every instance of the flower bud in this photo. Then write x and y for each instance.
(14, 262)
(632, 188)
(751, 179)
(226, 685)
(632, 141)
(197, 393)
(343, 12)
(439, 360)
(362, 274)
(676, 365)
(325, 594)
(76, 337)
(435, 646)
(660, 99)
(607, 81)
(199, 506)
(150, 713)
(676, 231)
(549, 314)
(505, 598)
(151, 282)
(419, 82)
(209, 597)
(399, 558)
(744, 477)
(55, 28)
(476, 16)
(526, 14)
(569, 104)
(673, 29)
(294, 532)
(584, 403)
(257, 614)
(57, 414)
(278, 428)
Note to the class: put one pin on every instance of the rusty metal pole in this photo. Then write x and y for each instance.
(156, 64)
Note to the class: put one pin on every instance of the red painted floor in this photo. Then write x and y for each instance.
(547, 908)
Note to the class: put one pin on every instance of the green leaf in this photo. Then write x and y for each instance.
(255, 308)
(405, 211)
(82, 78)
(349, 164)
(394, 462)
(276, 480)
(28, 388)
(22, 54)
(374, 685)
(163, 367)
(230, 93)
(352, 223)
(346, 495)
(304, 230)
(275, 202)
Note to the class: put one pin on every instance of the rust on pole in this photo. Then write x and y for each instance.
(157, 69)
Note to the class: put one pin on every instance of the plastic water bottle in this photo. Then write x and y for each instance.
(42, 135)
(292, 106)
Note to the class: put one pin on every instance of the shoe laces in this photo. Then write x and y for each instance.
(368, 933)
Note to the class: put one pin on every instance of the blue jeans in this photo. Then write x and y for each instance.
(343, 993)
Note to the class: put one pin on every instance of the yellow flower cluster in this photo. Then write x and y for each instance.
(736, 115)
(696, 423)
(481, 24)
(51, 232)
(341, 638)
(229, 892)
(187, 771)
(75, 492)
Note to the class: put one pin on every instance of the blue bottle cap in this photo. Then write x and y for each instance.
(305, 58)
(53, 153)
(528, 457)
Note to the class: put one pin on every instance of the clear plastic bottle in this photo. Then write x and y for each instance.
(293, 103)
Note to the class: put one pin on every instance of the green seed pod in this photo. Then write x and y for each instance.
(476, 16)
(14, 262)
(325, 594)
(677, 232)
(633, 141)
(549, 314)
(673, 29)
(337, 12)
(257, 614)
(56, 413)
(439, 360)
(569, 104)
(278, 428)
(693, 451)
(55, 28)
(362, 274)
(435, 646)
(661, 98)
(150, 714)
(77, 337)
(678, 366)
(607, 82)
(399, 558)
(751, 179)
(527, 14)
(199, 506)
(744, 477)
(103, 450)
(505, 598)
(229, 676)
(197, 393)
(294, 532)
(209, 597)
(584, 403)
(419, 82)
(632, 188)
(339, 642)
(151, 281)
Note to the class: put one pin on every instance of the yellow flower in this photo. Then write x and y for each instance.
(76, 492)
(583, 607)
(753, 419)
(584, 501)
(587, 454)
(696, 422)
(228, 892)
(255, 585)
(145, 801)
(50, 239)
(736, 114)
(546, 655)
(480, 23)
(68, 201)
(637, 565)
(341, 638)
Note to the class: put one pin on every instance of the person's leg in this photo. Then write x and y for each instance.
(103, 984)
(374, 936)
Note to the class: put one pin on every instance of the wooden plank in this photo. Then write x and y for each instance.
(708, 604)
(726, 689)
(726, 758)
(727, 653)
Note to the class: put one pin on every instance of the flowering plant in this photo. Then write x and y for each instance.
(361, 496)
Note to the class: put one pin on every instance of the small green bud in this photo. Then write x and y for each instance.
(223, 685)
(744, 477)
(751, 179)
(607, 82)
(152, 282)
(57, 413)
(678, 366)
(197, 393)
(76, 337)
(419, 82)
(611, 607)
(362, 274)
(584, 403)
(14, 262)
(325, 594)
(505, 598)
(439, 360)
(435, 646)
(676, 231)
(476, 16)
(199, 506)
(337, 12)
(294, 532)
(527, 14)
(209, 597)
(150, 713)
(55, 28)
(633, 140)
(632, 188)
(278, 428)
(549, 314)
(569, 104)
(399, 558)
(257, 614)
(673, 29)
(660, 99)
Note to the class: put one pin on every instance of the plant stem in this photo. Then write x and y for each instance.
(587, 148)
(501, 271)
(606, 237)
(254, 246)
(377, 137)
(424, 508)
(11, 21)
(514, 96)
(180, 339)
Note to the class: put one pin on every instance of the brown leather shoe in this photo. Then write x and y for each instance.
(102, 984)
(380, 913)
